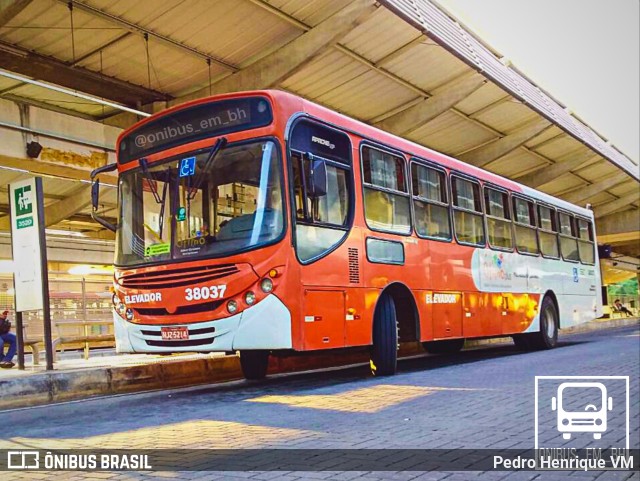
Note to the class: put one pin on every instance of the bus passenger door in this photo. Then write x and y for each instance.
(324, 318)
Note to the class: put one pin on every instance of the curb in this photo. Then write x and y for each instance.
(60, 386)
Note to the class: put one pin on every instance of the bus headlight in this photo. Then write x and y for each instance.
(266, 285)
(129, 314)
(120, 308)
(565, 422)
(232, 307)
(249, 298)
(598, 422)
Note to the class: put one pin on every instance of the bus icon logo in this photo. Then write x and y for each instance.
(582, 412)
(589, 415)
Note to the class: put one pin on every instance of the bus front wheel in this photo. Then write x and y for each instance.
(449, 346)
(384, 353)
(254, 364)
(547, 337)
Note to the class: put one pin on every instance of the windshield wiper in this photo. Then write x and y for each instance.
(217, 147)
(151, 181)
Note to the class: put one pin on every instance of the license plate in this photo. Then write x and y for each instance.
(174, 333)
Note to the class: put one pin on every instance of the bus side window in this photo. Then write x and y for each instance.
(568, 237)
(547, 228)
(585, 242)
(498, 219)
(430, 202)
(525, 226)
(467, 212)
(386, 196)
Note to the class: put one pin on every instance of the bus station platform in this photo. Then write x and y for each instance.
(74, 379)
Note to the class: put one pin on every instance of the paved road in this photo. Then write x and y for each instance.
(482, 398)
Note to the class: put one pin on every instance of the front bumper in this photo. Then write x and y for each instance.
(266, 325)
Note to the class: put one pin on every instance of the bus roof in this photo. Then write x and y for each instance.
(294, 104)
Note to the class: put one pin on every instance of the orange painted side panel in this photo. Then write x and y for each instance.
(324, 319)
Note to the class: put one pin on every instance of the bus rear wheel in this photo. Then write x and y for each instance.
(254, 364)
(384, 353)
(449, 346)
(547, 337)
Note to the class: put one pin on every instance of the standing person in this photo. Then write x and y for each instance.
(7, 337)
(620, 308)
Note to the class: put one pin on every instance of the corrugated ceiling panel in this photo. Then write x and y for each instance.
(171, 70)
(595, 172)
(311, 13)
(382, 34)
(559, 147)
(46, 28)
(599, 199)
(427, 66)
(507, 116)
(624, 188)
(545, 136)
(485, 95)
(327, 72)
(562, 184)
(240, 28)
(451, 133)
(516, 163)
(363, 98)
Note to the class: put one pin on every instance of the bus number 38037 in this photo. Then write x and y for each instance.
(198, 293)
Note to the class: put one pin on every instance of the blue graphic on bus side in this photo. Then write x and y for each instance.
(575, 274)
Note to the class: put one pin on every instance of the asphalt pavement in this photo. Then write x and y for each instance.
(483, 398)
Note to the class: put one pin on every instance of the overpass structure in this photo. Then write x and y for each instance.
(74, 73)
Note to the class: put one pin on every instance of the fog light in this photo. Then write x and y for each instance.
(266, 285)
(232, 307)
(129, 314)
(249, 298)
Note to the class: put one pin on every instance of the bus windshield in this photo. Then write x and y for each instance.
(183, 208)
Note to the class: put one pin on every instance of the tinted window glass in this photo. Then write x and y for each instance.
(466, 194)
(428, 183)
(386, 201)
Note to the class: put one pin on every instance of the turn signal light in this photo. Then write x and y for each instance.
(273, 273)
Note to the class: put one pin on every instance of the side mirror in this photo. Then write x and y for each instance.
(554, 405)
(95, 195)
(317, 178)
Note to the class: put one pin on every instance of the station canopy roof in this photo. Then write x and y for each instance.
(405, 66)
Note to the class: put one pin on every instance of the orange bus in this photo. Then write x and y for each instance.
(263, 223)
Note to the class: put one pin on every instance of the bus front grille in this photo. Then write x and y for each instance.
(185, 343)
(188, 309)
(176, 277)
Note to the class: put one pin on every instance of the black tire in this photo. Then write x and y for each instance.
(547, 337)
(522, 341)
(384, 353)
(254, 364)
(449, 346)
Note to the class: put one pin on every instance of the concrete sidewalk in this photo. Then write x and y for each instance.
(75, 379)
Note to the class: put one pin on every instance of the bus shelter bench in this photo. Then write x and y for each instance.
(31, 343)
(86, 338)
(35, 350)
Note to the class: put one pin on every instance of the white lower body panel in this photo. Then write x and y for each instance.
(267, 325)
